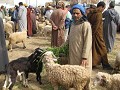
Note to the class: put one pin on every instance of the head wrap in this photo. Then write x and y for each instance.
(80, 7)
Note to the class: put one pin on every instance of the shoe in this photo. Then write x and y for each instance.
(107, 68)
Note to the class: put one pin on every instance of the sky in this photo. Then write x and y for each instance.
(33, 2)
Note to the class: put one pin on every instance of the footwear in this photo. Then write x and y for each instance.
(108, 68)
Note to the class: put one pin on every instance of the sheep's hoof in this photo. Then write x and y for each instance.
(26, 85)
(24, 47)
(40, 82)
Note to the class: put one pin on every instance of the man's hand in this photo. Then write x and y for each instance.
(84, 62)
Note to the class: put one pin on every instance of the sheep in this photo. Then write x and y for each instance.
(69, 76)
(17, 37)
(47, 22)
(41, 27)
(47, 30)
(7, 18)
(13, 25)
(8, 29)
(109, 82)
(117, 63)
(24, 66)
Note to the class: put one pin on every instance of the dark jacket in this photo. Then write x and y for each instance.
(3, 51)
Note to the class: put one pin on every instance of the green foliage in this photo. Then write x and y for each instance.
(59, 50)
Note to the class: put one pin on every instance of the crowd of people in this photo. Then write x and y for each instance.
(89, 31)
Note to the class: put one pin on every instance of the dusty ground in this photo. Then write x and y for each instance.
(37, 41)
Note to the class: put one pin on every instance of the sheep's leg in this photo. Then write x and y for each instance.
(87, 86)
(25, 80)
(19, 74)
(12, 81)
(79, 87)
(55, 87)
(23, 44)
(6, 81)
(38, 77)
(25, 76)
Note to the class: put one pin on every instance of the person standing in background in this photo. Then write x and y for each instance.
(110, 23)
(3, 50)
(67, 22)
(58, 25)
(22, 17)
(29, 20)
(33, 16)
(48, 12)
(99, 51)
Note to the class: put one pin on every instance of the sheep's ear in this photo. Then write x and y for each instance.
(55, 60)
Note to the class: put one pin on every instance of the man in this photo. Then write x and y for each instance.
(80, 39)
(3, 51)
(110, 23)
(99, 52)
(48, 12)
(22, 17)
(57, 20)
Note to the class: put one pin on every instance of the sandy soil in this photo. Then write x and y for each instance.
(37, 41)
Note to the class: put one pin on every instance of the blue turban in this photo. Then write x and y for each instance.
(80, 7)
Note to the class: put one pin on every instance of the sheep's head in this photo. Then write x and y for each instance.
(49, 57)
(101, 79)
(36, 56)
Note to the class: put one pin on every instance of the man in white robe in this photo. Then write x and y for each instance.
(22, 17)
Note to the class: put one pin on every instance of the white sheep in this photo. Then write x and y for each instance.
(7, 18)
(8, 29)
(117, 62)
(47, 30)
(17, 37)
(110, 82)
(13, 25)
(69, 76)
(41, 27)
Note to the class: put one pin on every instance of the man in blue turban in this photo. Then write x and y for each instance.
(80, 39)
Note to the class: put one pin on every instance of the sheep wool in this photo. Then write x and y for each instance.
(69, 76)
(110, 82)
(17, 37)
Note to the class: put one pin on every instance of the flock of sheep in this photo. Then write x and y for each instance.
(68, 76)
(44, 28)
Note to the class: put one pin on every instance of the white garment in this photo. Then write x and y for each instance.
(22, 18)
(48, 14)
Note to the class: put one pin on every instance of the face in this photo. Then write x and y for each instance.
(99, 80)
(103, 8)
(76, 14)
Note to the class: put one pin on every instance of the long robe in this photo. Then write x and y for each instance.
(33, 23)
(29, 20)
(3, 51)
(110, 23)
(58, 19)
(98, 45)
(22, 18)
(80, 44)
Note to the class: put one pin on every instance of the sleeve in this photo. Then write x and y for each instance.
(98, 21)
(20, 13)
(87, 39)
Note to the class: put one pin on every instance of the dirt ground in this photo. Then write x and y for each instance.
(37, 41)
